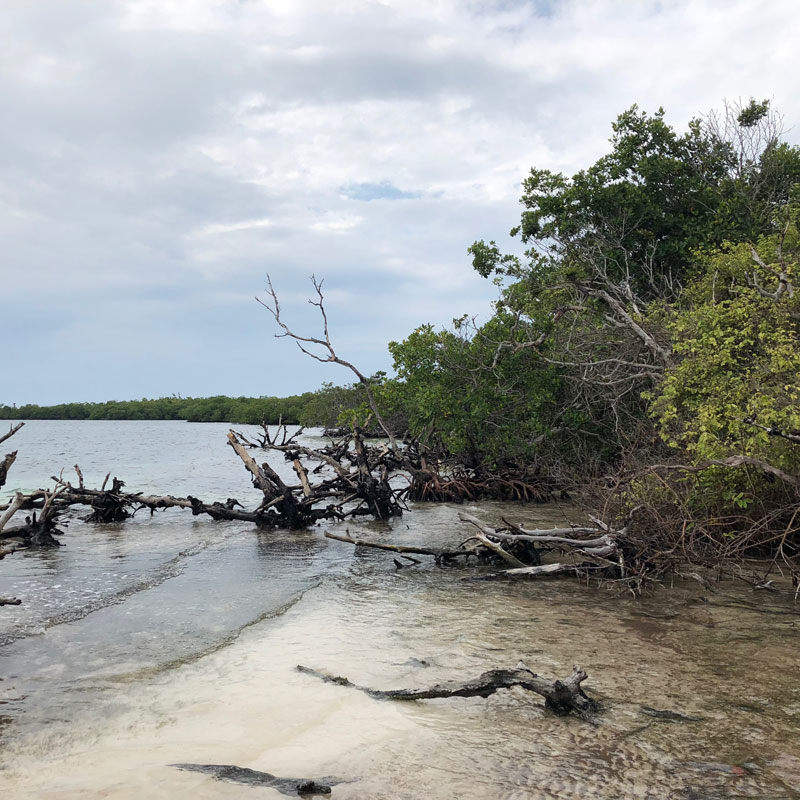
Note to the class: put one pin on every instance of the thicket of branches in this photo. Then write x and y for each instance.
(646, 343)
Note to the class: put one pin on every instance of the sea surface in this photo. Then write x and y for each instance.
(170, 638)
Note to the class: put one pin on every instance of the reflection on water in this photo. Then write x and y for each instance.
(195, 663)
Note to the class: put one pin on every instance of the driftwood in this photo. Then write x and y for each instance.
(358, 485)
(5, 466)
(590, 549)
(520, 549)
(10, 601)
(536, 571)
(6, 551)
(12, 430)
(440, 556)
(40, 528)
(361, 477)
(251, 777)
(8, 460)
(561, 697)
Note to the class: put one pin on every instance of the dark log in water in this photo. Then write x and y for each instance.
(561, 697)
(440, 556)
(289, 786)
(10, 601)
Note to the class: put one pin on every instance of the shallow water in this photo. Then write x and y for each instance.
(173, 639)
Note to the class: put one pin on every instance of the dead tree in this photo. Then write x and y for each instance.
(273, 306)
(355, 484)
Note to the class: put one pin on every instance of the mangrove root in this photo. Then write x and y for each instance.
(561, 697)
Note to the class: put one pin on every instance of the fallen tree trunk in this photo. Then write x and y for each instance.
(439, 555)
(537, 571)
(561, 697)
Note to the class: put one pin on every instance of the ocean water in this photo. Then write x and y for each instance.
(174, 639)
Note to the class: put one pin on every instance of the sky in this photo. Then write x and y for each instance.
(159, 157)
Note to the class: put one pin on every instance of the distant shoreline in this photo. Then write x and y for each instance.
(236, 410)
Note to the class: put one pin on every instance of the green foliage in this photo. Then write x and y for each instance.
(484, 400)
(330, 405)
(753, 113)
(644, 206)
(739, 356)
(639, 212)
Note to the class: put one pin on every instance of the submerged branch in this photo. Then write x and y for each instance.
(561, 697)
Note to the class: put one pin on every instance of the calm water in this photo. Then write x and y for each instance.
(170, 638)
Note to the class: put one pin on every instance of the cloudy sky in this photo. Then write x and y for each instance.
(159, 157)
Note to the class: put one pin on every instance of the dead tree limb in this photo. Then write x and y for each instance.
(5, 466)
(10, 458)
(561, 697)
(498, 549)
(731, 462)
(15, 505)
(603, 544)
(273, 306)
(10, 601)
(556, 568)
(12, 430)
(439, 555)
(791, 436)
(292, 787)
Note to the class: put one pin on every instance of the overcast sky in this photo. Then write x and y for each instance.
(159, 157)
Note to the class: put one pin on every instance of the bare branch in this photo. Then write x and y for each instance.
(11, 432)
(731, 461)
(790, 436)
(273, 306)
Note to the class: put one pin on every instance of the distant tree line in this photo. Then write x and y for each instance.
(324, 407)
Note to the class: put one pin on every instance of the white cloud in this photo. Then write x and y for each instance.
(162, 155)
(216, 229)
